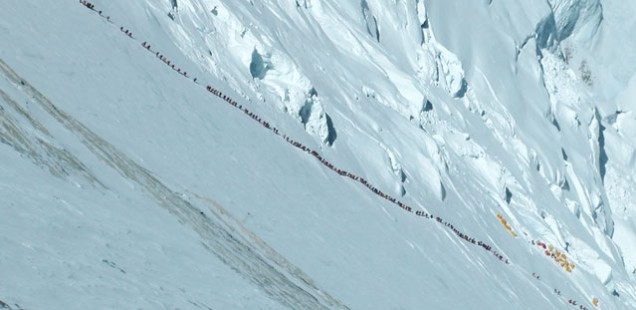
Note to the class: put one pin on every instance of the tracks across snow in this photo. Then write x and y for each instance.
(245, 254)
(299, 146)
(21, 131)
(232, 243)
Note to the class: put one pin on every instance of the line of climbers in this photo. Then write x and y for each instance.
(573, 303)
(356, 178)
(165, 60)
(88, 4)
(91, 6)
(326, 163)
(128, 33)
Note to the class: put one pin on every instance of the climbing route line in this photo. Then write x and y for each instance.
(353, 177)
(218, 93)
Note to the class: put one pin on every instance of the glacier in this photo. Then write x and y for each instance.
(317, 154)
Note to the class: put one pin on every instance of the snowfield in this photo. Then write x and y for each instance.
(317, 154)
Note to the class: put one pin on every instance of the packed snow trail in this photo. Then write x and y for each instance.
(281, 280)
(297, 145)
(420, 213)
(146, 45)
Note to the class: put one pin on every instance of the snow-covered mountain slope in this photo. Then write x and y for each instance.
(127, 184)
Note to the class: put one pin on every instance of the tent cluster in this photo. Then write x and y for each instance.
(559, 257)
(505, 224)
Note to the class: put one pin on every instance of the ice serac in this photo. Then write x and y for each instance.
(578, 18)
(620, 183)
(317, 123)
(370, 21)
(436, 63)
(300, 169)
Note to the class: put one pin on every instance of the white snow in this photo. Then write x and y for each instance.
(125, 184)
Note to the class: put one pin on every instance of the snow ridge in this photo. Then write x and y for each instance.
(326, 163)
(446, 108)
(348, 174)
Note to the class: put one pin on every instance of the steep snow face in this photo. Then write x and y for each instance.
(128, 184)
(579, 19)
(590, 72)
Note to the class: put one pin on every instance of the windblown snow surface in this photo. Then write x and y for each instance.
(127, 185)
